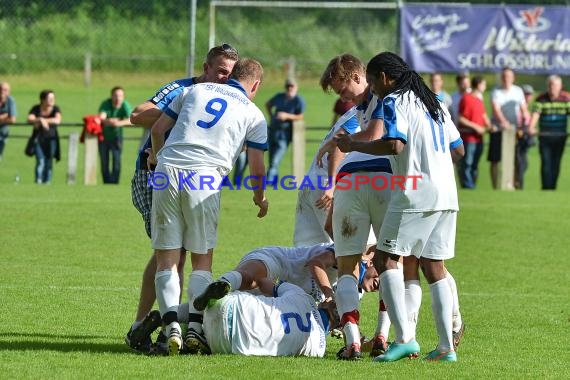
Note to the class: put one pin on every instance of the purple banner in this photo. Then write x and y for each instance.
(528, 39)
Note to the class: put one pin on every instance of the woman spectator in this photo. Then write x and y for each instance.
(45, 118)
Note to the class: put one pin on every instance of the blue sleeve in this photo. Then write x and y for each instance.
(391, 122)
(351, 125)
(378, 113)
(456, 143)
(168, 92)
(12, 106)
(301, 106)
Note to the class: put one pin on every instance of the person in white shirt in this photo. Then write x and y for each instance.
(210, 123)
(421, 138)
(289, 323)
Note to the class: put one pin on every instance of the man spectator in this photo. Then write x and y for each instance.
(114, 114)
(550, 112)
(7, 114)
(210, 123)
(472, 124)
(436, 81)
(509, 109)
(463, 87)
(283, 109)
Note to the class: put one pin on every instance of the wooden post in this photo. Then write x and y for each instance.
(87, 70)
(298, 150)
(508, 142)
(91, 153)
(72, 157)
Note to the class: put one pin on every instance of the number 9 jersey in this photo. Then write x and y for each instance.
(213, 121)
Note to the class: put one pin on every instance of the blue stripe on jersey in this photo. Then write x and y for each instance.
(378, 113)
(254, 145)
(235, 84)
(374, 165)
(456, 143)
(171, 113)
(351, 125)
(364, 105)
(392, 133)
(168, 92)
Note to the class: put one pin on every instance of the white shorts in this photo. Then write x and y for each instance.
(422, 234)
(185, 215)
(274, 266)
(310, 220)
(358, 215)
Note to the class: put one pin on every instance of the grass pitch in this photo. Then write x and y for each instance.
(73, 256)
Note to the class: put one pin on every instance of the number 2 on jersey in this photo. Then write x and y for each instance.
(433, 133)
(216, 112)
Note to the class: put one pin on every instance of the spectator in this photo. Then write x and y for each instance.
(114, 113)
(283, 109)
(550, 112)
(524, 142)
(45, 118)
(340, 108)
(462, 82)
(509, 109)
(436, 80)
(472, 124)
(7, 114)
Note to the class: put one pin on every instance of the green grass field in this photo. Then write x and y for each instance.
(73, 257)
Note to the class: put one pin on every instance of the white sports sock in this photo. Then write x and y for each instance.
(457, 321)
(183, 312)
(167, 286)
(394, 296)
(442, 305)
(198, 281)
(383, 326)
(413, 292)
(233, 278)
(346, 297)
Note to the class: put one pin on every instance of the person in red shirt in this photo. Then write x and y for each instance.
(473, 122)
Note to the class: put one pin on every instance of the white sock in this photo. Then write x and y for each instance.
(383, 325)
(346, 297)
(394, 296)
(457, 321)
(183, 312)
(442, 305)
(233, 278)
(198, 281)
(167, 287)
(413, 292)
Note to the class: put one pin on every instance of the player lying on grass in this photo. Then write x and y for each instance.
(311, 268)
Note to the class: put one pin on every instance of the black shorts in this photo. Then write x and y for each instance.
(495, 140)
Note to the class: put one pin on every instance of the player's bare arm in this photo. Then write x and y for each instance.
(378, 147)
(145, 114)
(163, 124)
(318, 266)
(257, 170)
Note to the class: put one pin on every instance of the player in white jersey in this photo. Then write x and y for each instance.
(210, 124)
(287, 324)
(421, 222)
(312, 268)
(313, 204)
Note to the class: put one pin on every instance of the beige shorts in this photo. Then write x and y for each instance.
(185, 213)
(422, 234)
(358, 215)
(310, 220)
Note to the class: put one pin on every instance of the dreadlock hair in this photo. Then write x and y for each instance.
(405, 80)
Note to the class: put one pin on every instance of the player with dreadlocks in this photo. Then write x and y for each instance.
(420, 221)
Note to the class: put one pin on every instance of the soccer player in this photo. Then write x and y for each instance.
(287, 324)
(422, 222)
(210, 124)
(312, 268)
(313, 204)
(217, 68)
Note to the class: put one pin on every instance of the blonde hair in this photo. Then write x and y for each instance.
(341, 67)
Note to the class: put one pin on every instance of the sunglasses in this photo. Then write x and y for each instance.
(227, 48)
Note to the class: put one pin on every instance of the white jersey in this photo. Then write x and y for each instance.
(348, 122)
(510, 102)
(426, 154)
(289, 264)
(358, 161)
(213, 121)
(246, 324)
